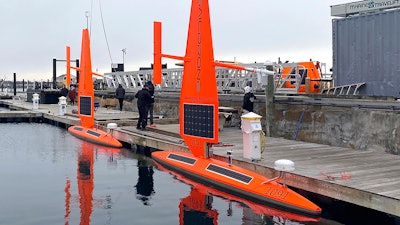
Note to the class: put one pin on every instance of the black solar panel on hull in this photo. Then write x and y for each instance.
(180, 158)
(85, 105)
(229, 173)
(198, 120)
(78, 128)
(93, 133)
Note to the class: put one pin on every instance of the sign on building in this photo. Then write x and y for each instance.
(347, 9)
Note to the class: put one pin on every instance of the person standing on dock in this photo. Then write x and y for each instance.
(150, 107)
(120, 95)
(64, 91)
(248, 100)
(72, 95)
(144, 98)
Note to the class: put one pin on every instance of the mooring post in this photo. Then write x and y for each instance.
(15, 84)
(54, 73)
(269, 101)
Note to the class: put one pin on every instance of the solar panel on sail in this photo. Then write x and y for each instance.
(85, 104)
(198, 120)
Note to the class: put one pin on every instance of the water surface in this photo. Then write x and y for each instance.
(50, 177)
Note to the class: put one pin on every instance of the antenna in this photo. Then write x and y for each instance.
(123, 55)
(87, 15)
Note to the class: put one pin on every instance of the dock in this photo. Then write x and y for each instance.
(366, 178)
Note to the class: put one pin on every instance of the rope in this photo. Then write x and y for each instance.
(263, 141)
(298, 125)
(104, 31)
(91, 16)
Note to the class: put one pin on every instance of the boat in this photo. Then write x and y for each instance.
(199, 192)
(294, 76)
(87, 130)
(199, 124)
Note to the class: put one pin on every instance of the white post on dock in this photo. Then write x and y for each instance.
(62, 102)
(251, 129)
(35, 100)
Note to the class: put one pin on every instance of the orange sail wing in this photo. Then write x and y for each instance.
(199, 94)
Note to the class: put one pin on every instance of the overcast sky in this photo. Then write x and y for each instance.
(33, 32)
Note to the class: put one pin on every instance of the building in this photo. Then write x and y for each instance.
(366, 47)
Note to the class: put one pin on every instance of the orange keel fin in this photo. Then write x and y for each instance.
(157, 53)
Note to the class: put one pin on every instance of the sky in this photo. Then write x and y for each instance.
(33, 32)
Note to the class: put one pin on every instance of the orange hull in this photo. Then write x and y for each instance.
(94, 136)
(237, 181)
(257, 208)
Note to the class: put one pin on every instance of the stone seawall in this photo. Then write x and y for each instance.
(348, 125)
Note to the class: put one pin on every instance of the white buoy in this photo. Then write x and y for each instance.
(284, 165)
(111, 127)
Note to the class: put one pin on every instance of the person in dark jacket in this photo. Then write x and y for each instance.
(120, 95)
(143, 99)
(248, 100)
(64, 91)
(150, 107)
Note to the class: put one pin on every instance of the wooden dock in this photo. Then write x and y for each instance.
(366, 178)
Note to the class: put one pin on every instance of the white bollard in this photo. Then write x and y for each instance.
(62, 102)
(35, 100)
(251, 129)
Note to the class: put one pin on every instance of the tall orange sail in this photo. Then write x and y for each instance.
(85, 89)
(199, 94)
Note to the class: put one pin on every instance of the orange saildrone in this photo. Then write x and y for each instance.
(87, 130)
(199, 124)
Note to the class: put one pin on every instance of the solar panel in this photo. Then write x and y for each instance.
(93, 133)
(198, 120)
(85, 104)
(229, 173)
(78, 128)
(180, 158)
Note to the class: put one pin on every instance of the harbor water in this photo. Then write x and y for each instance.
(50, 177)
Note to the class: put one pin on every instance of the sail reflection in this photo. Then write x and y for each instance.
(85, 181)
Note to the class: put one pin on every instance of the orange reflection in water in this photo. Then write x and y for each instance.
(85, 180)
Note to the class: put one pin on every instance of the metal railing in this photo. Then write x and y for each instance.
(228, 80)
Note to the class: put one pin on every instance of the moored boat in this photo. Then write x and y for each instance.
(237, 181)
(198, 120)
(95, 136)
(87, 131)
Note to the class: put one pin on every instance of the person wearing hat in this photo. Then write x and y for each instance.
(248, 100)
(120, 95)
(143, 99)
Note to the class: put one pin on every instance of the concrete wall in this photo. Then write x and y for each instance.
(349, 127)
